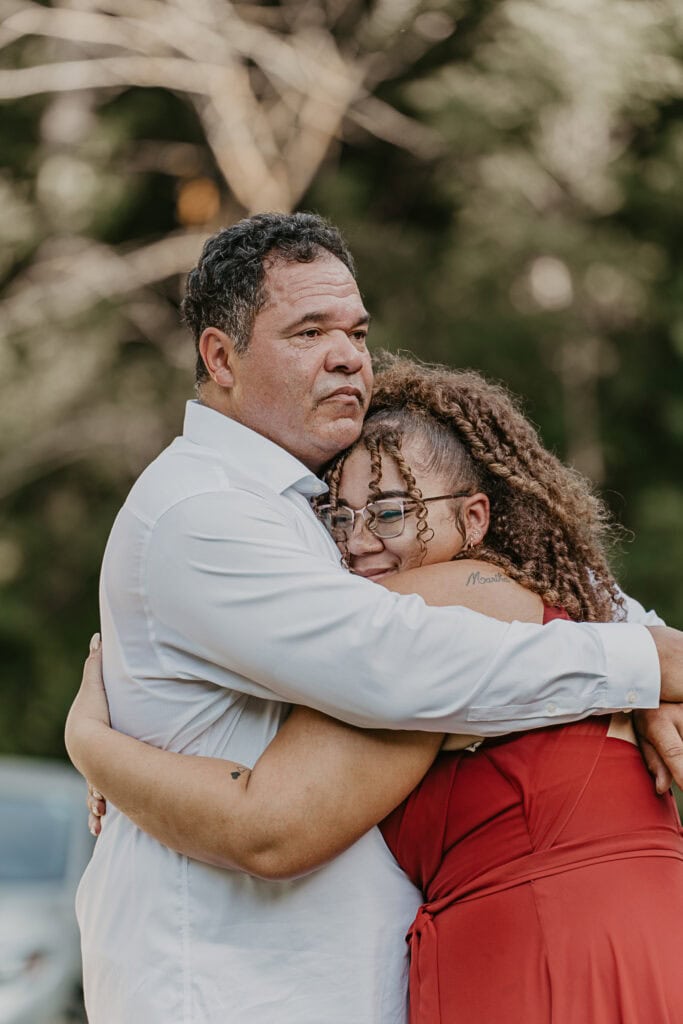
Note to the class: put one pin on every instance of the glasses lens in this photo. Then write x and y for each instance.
(338, 520)
(387, 517)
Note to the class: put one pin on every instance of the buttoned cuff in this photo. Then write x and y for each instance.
(631, 668)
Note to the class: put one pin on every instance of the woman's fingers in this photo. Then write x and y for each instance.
(97, 805)
(90, 703)
(94, 793)
(91, 700)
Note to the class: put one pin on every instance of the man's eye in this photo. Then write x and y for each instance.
(311, 332)
(360, 336)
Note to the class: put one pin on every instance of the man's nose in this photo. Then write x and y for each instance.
(362, 540)
(344, 353)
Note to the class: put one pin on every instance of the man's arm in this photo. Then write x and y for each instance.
(232, 582)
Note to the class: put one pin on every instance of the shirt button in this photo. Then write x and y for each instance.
(551, 708)
(631, 696)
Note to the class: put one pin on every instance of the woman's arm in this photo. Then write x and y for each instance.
(317, 788)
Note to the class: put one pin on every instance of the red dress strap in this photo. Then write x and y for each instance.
(551, 612)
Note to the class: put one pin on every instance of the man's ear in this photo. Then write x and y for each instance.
(217, 349)
(476, 515)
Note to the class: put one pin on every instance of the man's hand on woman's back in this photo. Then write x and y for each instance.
(660, 730)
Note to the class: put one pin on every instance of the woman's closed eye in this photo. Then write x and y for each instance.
(387, 510)
(387, 515)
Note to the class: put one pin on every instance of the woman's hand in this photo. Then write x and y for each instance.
(89, 711)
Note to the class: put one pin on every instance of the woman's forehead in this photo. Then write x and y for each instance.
(360, 467)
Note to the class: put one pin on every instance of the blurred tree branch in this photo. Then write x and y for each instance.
(271, 87)
(268, 137)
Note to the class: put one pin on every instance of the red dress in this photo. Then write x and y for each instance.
(553, 883)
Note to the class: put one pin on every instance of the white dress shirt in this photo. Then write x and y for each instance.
(222, 599)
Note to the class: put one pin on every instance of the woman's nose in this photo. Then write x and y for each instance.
(362, 539)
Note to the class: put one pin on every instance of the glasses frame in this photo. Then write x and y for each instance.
(369, 520)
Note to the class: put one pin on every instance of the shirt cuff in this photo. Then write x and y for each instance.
(632, 673)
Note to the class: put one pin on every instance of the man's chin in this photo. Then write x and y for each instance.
(342, 434)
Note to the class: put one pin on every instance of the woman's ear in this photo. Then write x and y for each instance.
(217, 349)
(476, 516)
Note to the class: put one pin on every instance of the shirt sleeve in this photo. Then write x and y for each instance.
(237, 598)
(635, 612)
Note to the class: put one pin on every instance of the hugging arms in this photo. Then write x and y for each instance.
(319, 769)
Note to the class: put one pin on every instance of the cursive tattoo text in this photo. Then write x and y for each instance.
(476, 577)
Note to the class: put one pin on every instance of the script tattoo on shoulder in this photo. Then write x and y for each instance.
(236, 773)
(475, 578)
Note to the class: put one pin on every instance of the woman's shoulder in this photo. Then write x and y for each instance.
(473, 584)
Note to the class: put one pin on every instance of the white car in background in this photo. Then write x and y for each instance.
(44, 848)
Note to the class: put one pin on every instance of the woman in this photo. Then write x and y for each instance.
(552, 874)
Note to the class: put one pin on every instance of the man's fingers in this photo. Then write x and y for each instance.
(660, 731)
(94, 825)
(656, 766)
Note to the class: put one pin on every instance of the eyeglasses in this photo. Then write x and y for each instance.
(385, 518)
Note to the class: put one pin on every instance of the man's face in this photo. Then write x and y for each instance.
(305, 379)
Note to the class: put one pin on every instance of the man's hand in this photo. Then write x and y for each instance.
(660, 730)
(660, 735)
(90, 706)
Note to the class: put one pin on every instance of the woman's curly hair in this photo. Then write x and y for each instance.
(548, 530)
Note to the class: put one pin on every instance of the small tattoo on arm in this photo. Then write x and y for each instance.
(237, 772)
(476, 577)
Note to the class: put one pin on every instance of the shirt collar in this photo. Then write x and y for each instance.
(250, 452)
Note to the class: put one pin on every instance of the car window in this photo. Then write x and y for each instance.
(34, 839)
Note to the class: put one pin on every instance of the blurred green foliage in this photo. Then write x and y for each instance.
(529, 223)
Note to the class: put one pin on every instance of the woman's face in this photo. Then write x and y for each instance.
(375, 557)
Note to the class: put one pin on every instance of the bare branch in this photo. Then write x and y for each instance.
(70, 282)
(388, 123)
(73, 26)
(174, 73)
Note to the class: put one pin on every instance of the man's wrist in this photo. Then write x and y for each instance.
(632, 667)
(669, 651)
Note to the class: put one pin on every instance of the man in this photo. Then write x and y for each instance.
(222, 598)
